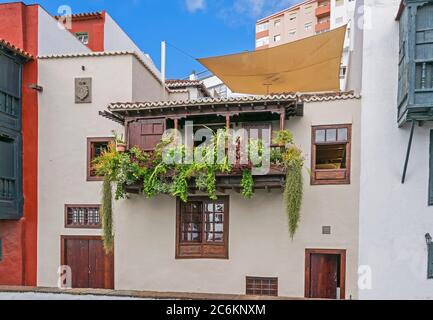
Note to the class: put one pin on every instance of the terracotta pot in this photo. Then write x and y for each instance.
(120, 147)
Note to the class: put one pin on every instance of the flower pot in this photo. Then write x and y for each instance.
(120, 147)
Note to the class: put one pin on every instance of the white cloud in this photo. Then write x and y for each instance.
(195, 5)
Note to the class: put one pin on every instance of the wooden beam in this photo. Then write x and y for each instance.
(282, 120)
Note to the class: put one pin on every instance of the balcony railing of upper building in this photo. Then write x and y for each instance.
(323, 10)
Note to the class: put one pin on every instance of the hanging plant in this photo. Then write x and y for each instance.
(247, 184)
(107, 216)
(293, 192)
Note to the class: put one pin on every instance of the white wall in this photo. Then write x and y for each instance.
(54, 40)
(116, 39)
(63, 131)
(393, 217)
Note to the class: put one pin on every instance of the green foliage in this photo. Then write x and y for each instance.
(247, 184)
(107, 215)
(293, 195)
(283, 138)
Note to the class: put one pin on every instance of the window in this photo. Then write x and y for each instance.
(202, 228)
(431, 170)
(292, 17)
(262, 286)
(262, 42)
(277, 38)
(95, 148)
(277, 23)
(339, 3)
(343, 71)
(262, 27)
(339, 20)
(83, 37)
(424, 75)
(82, 216)
(292, 32)
(330, 156)
(11, 193)
(308, 26)
(309, 10)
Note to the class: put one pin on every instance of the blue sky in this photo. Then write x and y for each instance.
(201, 28)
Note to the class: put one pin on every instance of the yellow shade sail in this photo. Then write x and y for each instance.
(307, 65)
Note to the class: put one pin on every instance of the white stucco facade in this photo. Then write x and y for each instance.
(259, 242)
(394, 217)
(64, 127)
(52, 39)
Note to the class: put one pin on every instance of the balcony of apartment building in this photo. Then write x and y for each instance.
(323, 26)
(323, 9)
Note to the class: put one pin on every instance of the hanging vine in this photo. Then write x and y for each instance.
(107, 215)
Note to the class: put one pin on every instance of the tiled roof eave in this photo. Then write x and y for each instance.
(136, 106)
(8, 45)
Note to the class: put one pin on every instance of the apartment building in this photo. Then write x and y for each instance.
(307, 19)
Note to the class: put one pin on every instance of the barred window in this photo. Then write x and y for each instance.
(82, 216)
(262, 286)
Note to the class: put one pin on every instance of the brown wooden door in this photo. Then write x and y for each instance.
(324, 273)
(90, 266)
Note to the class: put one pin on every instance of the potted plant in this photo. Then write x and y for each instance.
(120, 143)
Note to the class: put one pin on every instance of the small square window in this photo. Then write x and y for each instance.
(83, 37)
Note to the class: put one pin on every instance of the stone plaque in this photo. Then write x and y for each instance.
(83, 90)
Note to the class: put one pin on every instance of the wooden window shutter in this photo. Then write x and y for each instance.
(430, 261)
(145, 134)
(431, 170)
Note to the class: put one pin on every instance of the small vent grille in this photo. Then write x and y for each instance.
(326, 230)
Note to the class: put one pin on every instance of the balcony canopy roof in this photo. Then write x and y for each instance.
(308, 65)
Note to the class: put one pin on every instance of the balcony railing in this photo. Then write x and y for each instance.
(323, 10)
(323, 26)
(274, 179)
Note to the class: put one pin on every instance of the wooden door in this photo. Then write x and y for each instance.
(90, 266)
(325, 274)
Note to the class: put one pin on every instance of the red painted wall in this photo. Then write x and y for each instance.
(94, 26)
(19, 25)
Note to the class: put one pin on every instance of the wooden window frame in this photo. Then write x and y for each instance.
(331, 176)
(90, 141)
(271, 279)
(67, 226)
(341, 253)
(203, 249)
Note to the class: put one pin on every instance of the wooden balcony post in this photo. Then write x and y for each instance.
(282, 120)
(176, 123)
(228, 121)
